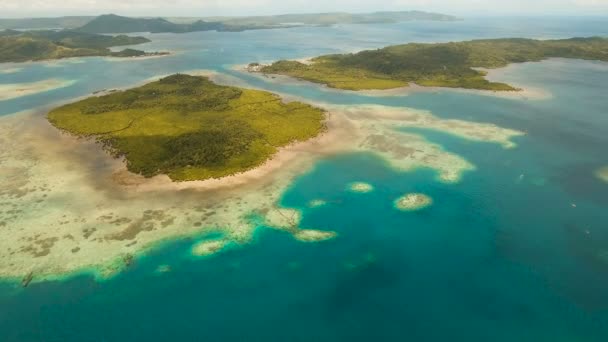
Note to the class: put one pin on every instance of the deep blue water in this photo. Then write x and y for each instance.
(497, 257)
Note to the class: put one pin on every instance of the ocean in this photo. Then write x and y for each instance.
(516, 251)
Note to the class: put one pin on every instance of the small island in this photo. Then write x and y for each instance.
(413, 202)
(452, 65)
(190, 128)
(23, 46)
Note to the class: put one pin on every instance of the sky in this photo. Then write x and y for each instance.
(193, 8)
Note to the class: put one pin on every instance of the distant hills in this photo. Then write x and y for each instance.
(111, 23)
(43, 23)
(334, 18)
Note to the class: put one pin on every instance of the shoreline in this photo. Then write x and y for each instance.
(524, 92)
(126, 214)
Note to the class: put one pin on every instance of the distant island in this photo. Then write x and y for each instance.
(111, 23)
(190, 128)
(453, 65)
(334, 18)
(22, 46)
(68, 22)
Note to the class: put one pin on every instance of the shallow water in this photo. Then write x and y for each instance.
(502, 256)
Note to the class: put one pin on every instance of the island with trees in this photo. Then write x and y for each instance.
(22, 46)
(453, 65)
(190, 128)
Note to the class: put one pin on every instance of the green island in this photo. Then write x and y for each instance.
(190, 128)
(22, 46)
(452, 65)
(111, 23)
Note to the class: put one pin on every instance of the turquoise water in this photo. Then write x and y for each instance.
(498, 257)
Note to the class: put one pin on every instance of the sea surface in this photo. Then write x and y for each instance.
(517, 251)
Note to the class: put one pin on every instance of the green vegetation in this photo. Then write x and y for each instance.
(434, 65)
(189, 127)
(17, 46)
(111, 23)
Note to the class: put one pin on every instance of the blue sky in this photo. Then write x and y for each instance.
(29, 8)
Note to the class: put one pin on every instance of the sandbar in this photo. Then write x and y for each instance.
(15, 90)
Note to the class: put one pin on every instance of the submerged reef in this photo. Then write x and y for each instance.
(411, 202)
(208, 247)
(67, 206)
(312, 235)
(289, 220)
(317, 203)
(360, 187)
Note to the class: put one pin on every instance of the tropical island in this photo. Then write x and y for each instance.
(452, 65)
(22, 46)
(190, 128)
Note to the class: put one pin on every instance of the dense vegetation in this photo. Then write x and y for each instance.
(189, 127)
(440, 65)
(111, 23)
(18, 46)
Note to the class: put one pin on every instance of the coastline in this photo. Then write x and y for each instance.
(56, 233)
(524, 92)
